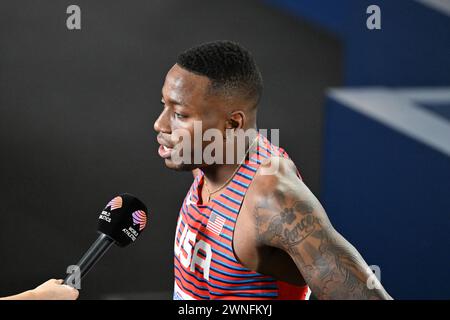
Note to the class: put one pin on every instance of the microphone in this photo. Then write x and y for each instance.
(121, 222)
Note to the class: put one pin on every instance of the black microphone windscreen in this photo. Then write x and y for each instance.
(123, 219)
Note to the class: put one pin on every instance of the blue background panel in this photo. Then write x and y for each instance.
(390, 196)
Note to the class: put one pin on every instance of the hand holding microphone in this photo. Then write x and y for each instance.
(121, 222)
(52, 289)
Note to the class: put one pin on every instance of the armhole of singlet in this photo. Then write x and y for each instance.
(239, 214)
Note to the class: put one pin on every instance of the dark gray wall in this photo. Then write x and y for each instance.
(76, 124)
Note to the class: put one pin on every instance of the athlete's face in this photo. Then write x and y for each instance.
(185, 100)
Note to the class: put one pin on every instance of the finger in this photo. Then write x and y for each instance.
(69, 287)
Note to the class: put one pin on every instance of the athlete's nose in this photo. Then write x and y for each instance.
(162, 124)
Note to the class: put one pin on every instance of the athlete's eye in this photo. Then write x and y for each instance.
(179, 115)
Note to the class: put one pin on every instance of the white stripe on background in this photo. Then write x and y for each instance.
(443, 6)
(395, 109)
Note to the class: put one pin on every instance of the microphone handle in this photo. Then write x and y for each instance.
(92, 255)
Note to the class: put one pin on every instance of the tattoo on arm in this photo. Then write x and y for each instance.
(330, 265)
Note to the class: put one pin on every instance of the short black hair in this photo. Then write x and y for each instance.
(230, 67)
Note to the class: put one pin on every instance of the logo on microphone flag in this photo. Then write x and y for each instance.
(115, 203)
(140, 218)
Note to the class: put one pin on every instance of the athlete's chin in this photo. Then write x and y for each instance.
(178, 166)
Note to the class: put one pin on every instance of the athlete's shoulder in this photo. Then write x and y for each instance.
(196, 173)
(276, 185)
(275, 174)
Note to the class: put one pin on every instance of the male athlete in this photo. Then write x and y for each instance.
(243, 233)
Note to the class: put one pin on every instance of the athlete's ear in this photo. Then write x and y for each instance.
(236, 120)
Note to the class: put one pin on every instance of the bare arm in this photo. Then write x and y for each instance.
(50, 290)
(290, 217)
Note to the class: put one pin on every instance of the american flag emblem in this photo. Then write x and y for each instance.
(215, 223)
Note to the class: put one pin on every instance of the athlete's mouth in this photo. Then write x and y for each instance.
(164, 152)
(165, 147)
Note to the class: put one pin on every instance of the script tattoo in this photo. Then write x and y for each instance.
(288, 227)
(330, 265)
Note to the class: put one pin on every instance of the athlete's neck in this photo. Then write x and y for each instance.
(217, 175)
